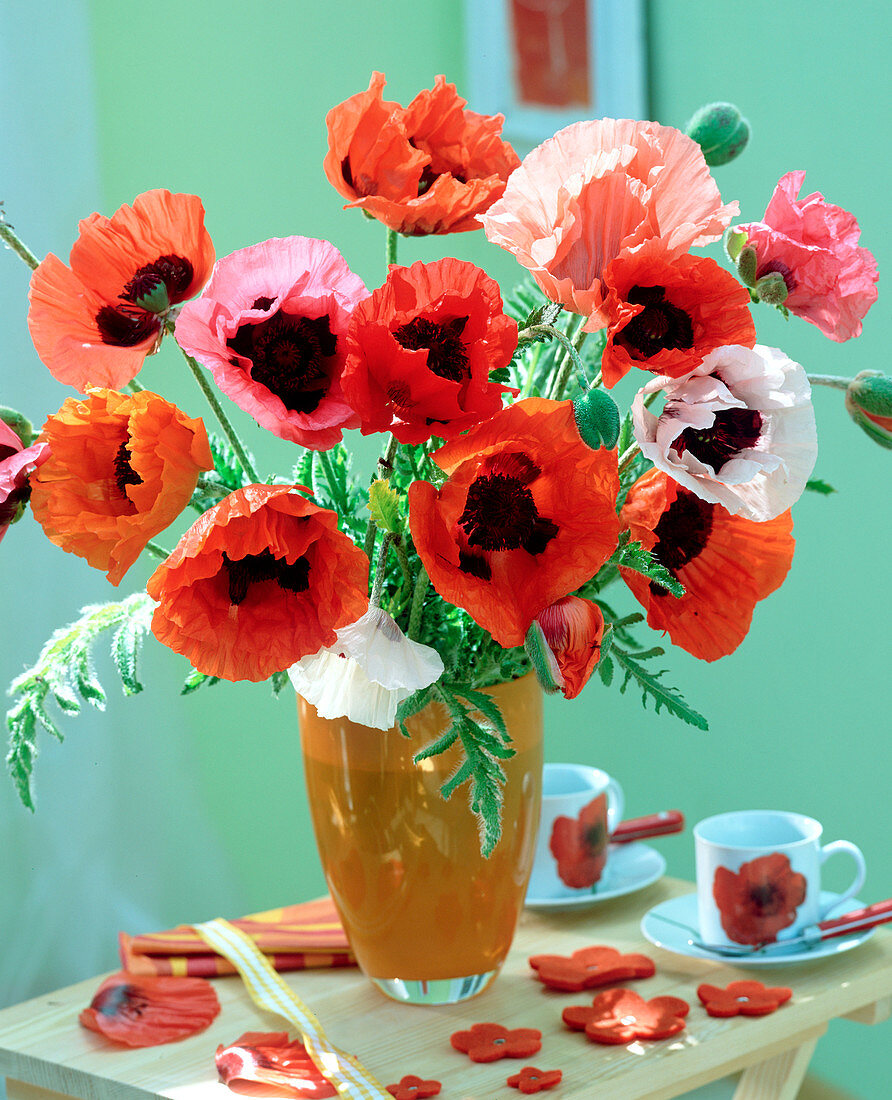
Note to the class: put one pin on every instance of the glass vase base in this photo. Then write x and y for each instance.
(440, 991)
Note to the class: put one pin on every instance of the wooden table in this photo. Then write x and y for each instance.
(44, 1052)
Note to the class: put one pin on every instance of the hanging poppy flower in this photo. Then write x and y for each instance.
(122, 468)
(17, 462)
(432, 167)
(620, 1016)
(579, 844)
(590, 967)
(725, 563)
(257, 582)
(411, 1087)
(597, 189)
(270, 328)
(142, 1011)
(421, 349)
(748, 998)
(759, 899)
(269, 1064)
(531, 1080)
(526, 516)
(492, 1042)
(93, 323)
(573, 629)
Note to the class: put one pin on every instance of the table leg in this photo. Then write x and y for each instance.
(777, 1078)
(21, 1090)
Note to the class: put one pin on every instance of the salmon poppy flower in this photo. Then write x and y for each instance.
(579, 844)
(432, 167)
(620, 1016)
(260, 580)
(531, 1080)
(17, 462)
(725, 563)
(270, 327)
(412, 1087)
(122, 467)
(492, 1042)
(590, 967)
(420, 351)
(597, 189)
(746, 998)
(526, 515)
(93, 323)
(270, 1064)
(573, 629)
(139, 1010)
(758, 900)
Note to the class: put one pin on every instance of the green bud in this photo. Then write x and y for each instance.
(19, 423)
(869, 401)
(543, 660)
(747, 262)
(721, 132)
(735, 239)
(597, 419)
(772, 289)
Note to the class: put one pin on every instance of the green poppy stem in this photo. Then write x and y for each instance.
(381, 569)
(390, 247)
(12, 240)
(158, 551)
(418, 594)
(832, 380)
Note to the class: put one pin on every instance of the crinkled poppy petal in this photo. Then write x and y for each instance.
(143, 1011)
(573, 628)
(269, 1064)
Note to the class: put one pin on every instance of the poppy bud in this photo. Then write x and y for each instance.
(571, 630)
(721, 132)
(20, 424)
(772, 289)
(869, 401)
(735, 239)
(597, 419)
(747, 262)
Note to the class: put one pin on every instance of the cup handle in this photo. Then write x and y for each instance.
(616, 803)
(860, 870)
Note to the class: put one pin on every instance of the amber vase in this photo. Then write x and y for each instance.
(429, 918)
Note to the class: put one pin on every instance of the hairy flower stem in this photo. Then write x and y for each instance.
(390, 247)
(415, 615)
(831, 380)
(158, 551)
(135, 387)
(571, 359)
(380, 569)
(11, 239)
(383, 471)
(628, 458)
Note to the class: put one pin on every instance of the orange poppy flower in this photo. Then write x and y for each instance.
(573, 628)
(121, 468)
(260, 580)
(429, 168)
(726, 564)
(93, 323)
(139, 1010)
(526, 515)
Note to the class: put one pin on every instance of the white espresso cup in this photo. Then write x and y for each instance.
(759, 875)
(581, 806)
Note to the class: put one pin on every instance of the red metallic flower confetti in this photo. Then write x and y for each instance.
(590, 967)
(269, 1064)
(531, 1080)
(749, 998)
(490, 1042)
(619, 1016)
(142, 1011)
(411, 1087)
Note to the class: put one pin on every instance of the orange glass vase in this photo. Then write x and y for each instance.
(429, 918)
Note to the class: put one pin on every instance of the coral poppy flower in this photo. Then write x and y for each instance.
(725, 563)
(270, 328)
(269, 1064)
(122, 468)
(531, 1080)
(597, 189)
(93, 323)
(665, 315)
(260, 580)
(432, 167)
(17, 462)
(421, 348)
(411, 1087)
(491, 1042)
(619, 1016)
(590, 967)
(526, 516)
(579, 844)
(573, 629)
(830, 279)
(759, 899)
(749, 998)
(142, 1011)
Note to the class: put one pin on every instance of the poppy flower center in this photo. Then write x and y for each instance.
(446, 355)
(158, 285)
(500, 512)
(290, 356)
(660, 325)
(593, 838)
(120, 1000)
(254, 568)
(733, 431)
(766, 898)
(781, 268)
(123, 329)
(682, 534)
(124, 473)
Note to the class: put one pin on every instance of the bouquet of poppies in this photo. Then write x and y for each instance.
(511, 493)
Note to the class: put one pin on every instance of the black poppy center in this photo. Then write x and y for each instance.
(160, 284)
(682, 534)
(766, 898)
(124, 473)
(593, 838)
(446, 354)
(120, 1000)
(125, 329)
(733, 431)
(660, 325)
(253, 568)
(290, 356)
(500, 514)
(782, 269)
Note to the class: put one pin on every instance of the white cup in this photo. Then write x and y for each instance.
(759, 875)
(581, 806)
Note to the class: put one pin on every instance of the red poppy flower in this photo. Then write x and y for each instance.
(579, 844)
(726, 564)
(429, 168)
(664, 315)
(257, 582)
(573, 628)
(411, 1087)
(743, 998)
(421, 348)
(122, 467)
(531, 1080)
(759, 899)
(590, 967)
(93, 323)
(142, 1011)
(269, 1064)
(619, 1016)
(270, 327)
(490, 1042)
(526, 516)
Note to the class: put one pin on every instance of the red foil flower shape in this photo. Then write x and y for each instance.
(748, 998)
(579, 844)
(619, 1016)
(490, 1042)
(590, 967)
(142, 1011)
(573, 629)
(411, 1087)
(759, 899)
(531, 1080)
(526, 516)
(269, 1064)
(420, 351)
(432, 167)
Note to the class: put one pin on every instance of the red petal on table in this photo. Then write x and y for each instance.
(411, 1087)
(262, 1063)
(531, 1080)
(745, 998)
(590, 967)
(490, 1042)
(142, 1011)
(619, 1016)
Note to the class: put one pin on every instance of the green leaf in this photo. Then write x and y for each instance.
(485, 704)
(660, 694)
(226, 463)
(605, 671)
(415, 703)
(277, 681)
(818, 486)
(195, 680)
(384, 504)
(632, 555)
(436, 747)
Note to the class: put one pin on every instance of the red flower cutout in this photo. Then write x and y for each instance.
(749, 998)
(619, 1016)
(490, 1042)
(579, 844)
(531, 1080)
(590, 967)
(410, 1087)
(760, 899)
(142, 1011)
(269, 1064)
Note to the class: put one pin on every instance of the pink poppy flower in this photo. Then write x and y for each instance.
(814, 245)
(270, 327)
(597, 189)
(16, 463)
(738, 430)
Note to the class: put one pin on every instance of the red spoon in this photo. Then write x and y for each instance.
(637, 828)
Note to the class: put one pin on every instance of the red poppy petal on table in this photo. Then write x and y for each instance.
(269, 1064)
(411, 1087)
(141, 1011)
(590, 967)
(745, 998)
(620, 1016)
(531, 1080)
(759, 899)
(491, 1042)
